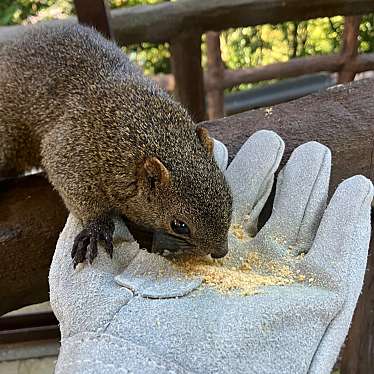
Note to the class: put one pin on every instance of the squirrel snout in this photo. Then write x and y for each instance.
(221, 252)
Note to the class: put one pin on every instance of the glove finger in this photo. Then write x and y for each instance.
(339, 253)
(251, 176)
(300, 199)
(221, 155)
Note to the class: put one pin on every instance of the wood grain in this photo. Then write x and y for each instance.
(94, 13)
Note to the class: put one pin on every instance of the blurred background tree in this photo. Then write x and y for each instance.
(242, 47)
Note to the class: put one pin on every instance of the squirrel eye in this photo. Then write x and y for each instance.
(179, 227)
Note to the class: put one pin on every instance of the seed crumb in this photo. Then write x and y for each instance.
(238, 231)
(254, 273)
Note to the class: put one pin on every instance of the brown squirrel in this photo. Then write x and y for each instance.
(111, 142)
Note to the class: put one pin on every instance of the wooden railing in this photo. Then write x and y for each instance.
(182, 24)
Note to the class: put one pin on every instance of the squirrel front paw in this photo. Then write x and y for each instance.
(85, 243)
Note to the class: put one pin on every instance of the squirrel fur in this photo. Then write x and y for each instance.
(110, 140)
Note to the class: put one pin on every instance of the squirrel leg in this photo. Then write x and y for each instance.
(85, 243)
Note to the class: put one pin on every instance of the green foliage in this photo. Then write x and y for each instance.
(19, 11)
(367, 34)
(243, 47)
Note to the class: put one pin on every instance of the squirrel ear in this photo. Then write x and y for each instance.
(154, 171)
(205, 139)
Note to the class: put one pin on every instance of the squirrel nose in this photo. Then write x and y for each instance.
(222, 252)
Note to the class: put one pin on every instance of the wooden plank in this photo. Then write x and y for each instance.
(215, 72)
(289, 69)
(296, 67)
(31, 217)
(292, 68)
(163, 22)
(188, 73)
(350, 47)
(30, 334)
(94, 13)
(358, 354)
(21, 321)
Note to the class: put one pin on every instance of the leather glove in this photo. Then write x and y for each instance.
(141, 314)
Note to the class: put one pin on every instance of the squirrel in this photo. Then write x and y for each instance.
(111, 142)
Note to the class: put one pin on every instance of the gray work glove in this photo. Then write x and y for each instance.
(140, 314)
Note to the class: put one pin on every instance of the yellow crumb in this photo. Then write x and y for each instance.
(254, 272)
(238, 231)
(268, 112)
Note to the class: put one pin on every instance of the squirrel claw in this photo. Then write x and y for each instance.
(85, 243)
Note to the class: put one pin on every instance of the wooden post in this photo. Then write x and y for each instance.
(215, 93)
(350, 46)
(358, 354)
(188, 73)
(94, 13)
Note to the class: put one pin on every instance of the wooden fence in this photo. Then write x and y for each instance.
(182, 24)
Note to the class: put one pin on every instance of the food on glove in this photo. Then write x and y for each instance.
(254, 272)
(237, 231)
(111, 141)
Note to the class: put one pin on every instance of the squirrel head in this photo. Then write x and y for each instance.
(182, 198)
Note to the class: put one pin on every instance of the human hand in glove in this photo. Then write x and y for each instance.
(140, 313)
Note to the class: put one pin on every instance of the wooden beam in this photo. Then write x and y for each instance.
(94, 13)
(163, 22)
(358, 355)
(188, 73)
(292, 68)
(215, 72)
(289, 69)
(350, 47)
(31, 217)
